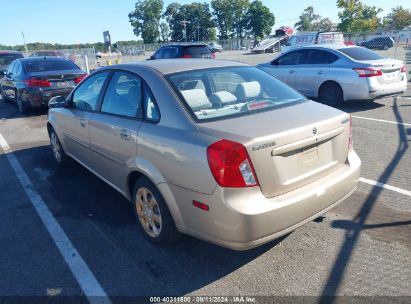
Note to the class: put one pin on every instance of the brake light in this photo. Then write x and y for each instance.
(187, 56)
(368, 72)
(403, 69)
(37, 83)
(230, 164)
(79, 79)
(350, 138)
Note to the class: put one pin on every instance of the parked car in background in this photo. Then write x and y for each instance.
(53, 53)
(336, 73)
(378, 43)
(215, 47)
(311, 38)
(184, 50)
(6, 58)
(31, 82)
(215, 149)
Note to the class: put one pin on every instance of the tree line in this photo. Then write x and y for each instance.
(199, 21)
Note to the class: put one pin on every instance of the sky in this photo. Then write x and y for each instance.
(81, 21)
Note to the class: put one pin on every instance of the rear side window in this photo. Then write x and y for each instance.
(6, 59)
(170, 52)
(360, 53)
(123, 95)
(151, 111)
(197, 51)
(319, 57)
(40, 65)
(292, 58)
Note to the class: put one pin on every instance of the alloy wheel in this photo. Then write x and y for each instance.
(148, 212)
(55, 145)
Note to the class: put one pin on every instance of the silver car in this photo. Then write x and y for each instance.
(215, 149)
(337, 73)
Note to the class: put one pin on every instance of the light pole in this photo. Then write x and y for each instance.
(184, 23)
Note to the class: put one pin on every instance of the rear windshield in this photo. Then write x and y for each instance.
(197, 50)
(360, 53)
(49, 65)
(219, 93)
(6, 59)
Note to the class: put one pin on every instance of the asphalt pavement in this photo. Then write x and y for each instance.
(361, 248)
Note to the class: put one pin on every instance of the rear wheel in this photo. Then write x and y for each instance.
(331, 94)
(21, 104)
(152, 213)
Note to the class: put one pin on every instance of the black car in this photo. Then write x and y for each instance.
(6, 58)
(31, 82)
(378, 43)
(183, 51)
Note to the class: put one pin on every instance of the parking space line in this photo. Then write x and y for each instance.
(85, 278)
(382, 120)
(385, 186)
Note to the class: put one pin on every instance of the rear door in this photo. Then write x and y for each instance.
(7, 81)
(74, 120)
(313, 70)
(113, 129)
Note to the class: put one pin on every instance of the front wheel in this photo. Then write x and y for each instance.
(58, 152)
(331, 94)
(152, 213)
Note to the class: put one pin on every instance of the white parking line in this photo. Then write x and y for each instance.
(385, 186)
(85, 278)
(382, 120)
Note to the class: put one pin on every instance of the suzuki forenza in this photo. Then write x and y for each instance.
(214, 149)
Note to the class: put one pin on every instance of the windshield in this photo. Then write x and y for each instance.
(219, 93)
(360, 53)
(49, 65)
(6, 59)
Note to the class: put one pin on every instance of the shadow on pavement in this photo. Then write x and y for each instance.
(358, 224)
(100, 221)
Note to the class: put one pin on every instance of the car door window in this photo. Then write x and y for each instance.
(170, 52)
(292, 58)
(86, 95)
(123, 95)
(319, 57)
(159, 54)
(151, 111)
(10, 69)
(18, 69)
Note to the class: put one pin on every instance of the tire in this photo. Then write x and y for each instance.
(59, 155)
(331, 94)
(21, 104)
(3, 97)
(152, 214)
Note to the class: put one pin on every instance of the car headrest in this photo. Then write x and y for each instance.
(223, 97)
(196, 99)
(133, 94)
(249, 89)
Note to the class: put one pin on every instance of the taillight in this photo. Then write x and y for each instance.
(368, 72)
(350, 138)
(79, 79)
(230, 164)
(403, 69)
(187, 56)
(37, 83)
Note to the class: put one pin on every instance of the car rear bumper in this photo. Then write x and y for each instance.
(241, 219)
(39, 98)
(369, 89)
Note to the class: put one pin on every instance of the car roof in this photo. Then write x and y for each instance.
(327, 46)
(11, 52)
(170, 66)
(188, 44)
(49, 58)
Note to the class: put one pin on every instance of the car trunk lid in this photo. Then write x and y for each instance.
(390, 69)
(59, 79)
(291, 146)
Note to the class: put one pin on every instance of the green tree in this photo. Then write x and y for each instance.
(145, 19)
(307, 20)
(259, 20)
(357, 17)
(323, 25)
(398, 18)
(164, 31)
(197, 17)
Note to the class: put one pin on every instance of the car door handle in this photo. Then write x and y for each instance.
(291, 71)
(125, 134)
(320, 72)
(83, 123)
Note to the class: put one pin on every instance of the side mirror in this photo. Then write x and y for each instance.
(274, 62)
(151, 57)
(58, 102)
